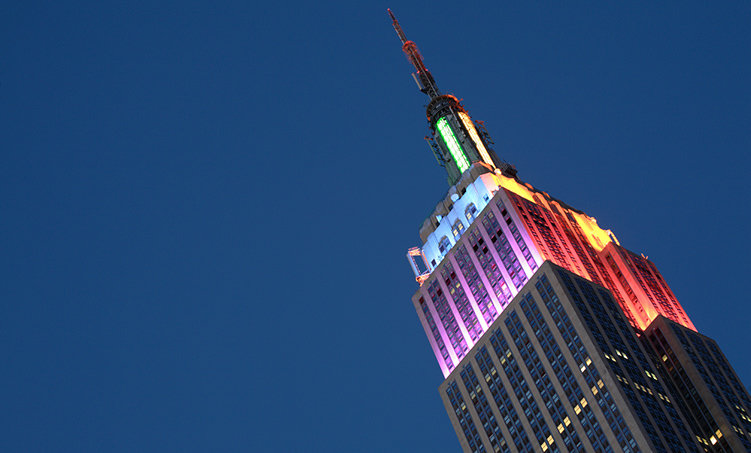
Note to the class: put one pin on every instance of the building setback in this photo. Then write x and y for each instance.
(550, 335)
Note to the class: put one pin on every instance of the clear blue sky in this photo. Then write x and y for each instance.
(205, 206)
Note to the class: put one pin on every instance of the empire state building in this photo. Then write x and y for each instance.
(550, 334)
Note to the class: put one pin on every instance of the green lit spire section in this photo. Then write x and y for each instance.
(453, 144)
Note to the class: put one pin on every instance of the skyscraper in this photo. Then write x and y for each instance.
(537, 316)
(565, 372)
(703, 384)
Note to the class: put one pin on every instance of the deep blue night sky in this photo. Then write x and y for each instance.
(205, 206)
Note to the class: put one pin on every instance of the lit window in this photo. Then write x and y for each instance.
(457, 229)
(471, 212)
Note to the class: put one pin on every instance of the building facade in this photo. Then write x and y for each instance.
(550, 335)
(561, 369)
(704, 385)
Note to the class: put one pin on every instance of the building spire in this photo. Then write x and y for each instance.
(422, 76)
(457, 142)
(397, 27)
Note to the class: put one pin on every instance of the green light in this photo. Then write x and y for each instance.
(453, 144)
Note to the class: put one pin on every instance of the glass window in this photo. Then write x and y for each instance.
(444, 245)
(471, 212)
(457, 229)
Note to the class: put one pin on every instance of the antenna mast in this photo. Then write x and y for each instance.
(422, 76)
(457, 142)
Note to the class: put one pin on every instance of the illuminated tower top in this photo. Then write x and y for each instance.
(458, 143)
